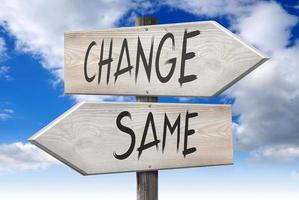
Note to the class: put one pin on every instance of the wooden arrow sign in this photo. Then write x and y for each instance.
(187, 59)
(95, 138)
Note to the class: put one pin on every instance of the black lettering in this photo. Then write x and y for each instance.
(105, 62)
(128, 131)
(170, 61)
(119, 71)
(188, 132)
(185, 56)
(176, 125)
(147, 65)
(149, 120)
(88, 79)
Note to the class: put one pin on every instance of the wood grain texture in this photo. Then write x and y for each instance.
(86, 136)
(221, 59)
(147, 185)
(147, 182)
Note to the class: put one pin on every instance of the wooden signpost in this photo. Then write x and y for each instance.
(147, 181)
(199, 59)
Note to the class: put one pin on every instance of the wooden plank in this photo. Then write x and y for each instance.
(220, 59)
(88, 139)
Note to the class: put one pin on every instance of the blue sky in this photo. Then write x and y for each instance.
(265, 103)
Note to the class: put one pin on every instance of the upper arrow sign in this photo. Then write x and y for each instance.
(187, 59)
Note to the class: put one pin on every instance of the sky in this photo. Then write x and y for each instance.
(264, 103)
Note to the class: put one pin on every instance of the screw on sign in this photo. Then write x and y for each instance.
(199, 59)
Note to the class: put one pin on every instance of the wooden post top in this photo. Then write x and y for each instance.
(146, 20)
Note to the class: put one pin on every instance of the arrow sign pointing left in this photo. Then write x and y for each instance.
(96, 138)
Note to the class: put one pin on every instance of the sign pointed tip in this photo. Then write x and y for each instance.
(264, 56)
(237, 37)
(32, 139)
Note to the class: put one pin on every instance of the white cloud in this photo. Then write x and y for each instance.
(212, 8)
(39, 25)
(262, 23)
(5, 114)
(17, 156)
(295, 175)
(267, 26)
(4, 70)
(4, 73)
(2, 47)
(273, 154)
(267, 99)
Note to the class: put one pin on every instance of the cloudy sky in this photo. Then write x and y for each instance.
(265, 103)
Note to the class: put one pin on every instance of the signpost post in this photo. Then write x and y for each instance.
(199, 59)
(147, 182)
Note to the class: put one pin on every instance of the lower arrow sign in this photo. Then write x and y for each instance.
(97, 138)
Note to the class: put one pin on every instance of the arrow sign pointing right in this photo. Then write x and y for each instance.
(96, 138)
(186, 59)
